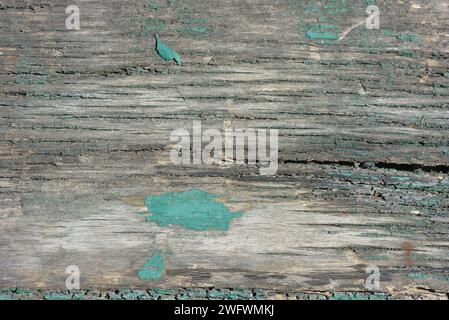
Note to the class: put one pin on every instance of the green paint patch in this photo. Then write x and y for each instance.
(165, 52)
(322, 31)
(310, 62)
(57, 295)
(31, 81)
(322, 35)
(358, 296)
(239, 294)
(338, 7)
(423, 276)
(407, 37)
(150, 4)
(430, 202)
(387, 32)
(408, 53)
(135, 295)
(193, 209)
(199, 29)
(154, 268)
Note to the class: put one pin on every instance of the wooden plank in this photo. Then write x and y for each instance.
(86, 118)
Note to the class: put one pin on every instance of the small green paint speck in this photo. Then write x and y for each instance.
(407, 37)
(322, 35)
(199, 29)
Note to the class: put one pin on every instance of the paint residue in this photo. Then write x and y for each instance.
(192, 209)
(154, 268)
(423, 276)
(322, 35)
(165, 52)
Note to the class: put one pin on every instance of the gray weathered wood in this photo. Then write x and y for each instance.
(86, 117)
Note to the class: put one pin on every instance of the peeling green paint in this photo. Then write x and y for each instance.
(193, 209)
(322, 35)
(199, 29)
(57, 297)
(195, 294)
(151, 4)
(320, 31)
(154, 268)
(165, 52)
(407, 37)
(134, 295)
(357, 296)
(239, 294)
(423, 276)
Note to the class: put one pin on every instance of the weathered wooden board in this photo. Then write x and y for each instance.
(86, 118)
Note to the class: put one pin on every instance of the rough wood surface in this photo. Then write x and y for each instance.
(86, 117)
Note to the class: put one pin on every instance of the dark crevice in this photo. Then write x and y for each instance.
(408, 167)
(412, 167)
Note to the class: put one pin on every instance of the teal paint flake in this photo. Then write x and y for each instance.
(154, 268)
(151, 4)
(324, 19)
(163, 294)
(408, 53)
(408, 37)
(192, 209)
(423, 276)
(417, 275)
(216, 294)
(309, 62)
(57, 297)
(239, 294)
(199, 29)
(378, 296)
(311, 9)
(322, 35)
(322, 31)
(387, 32)
(197, 293)
(347, 296)
(165, 52)
(358, 296)
(430, 202)
(135, 295)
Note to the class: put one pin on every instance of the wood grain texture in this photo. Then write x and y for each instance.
(86, 117)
